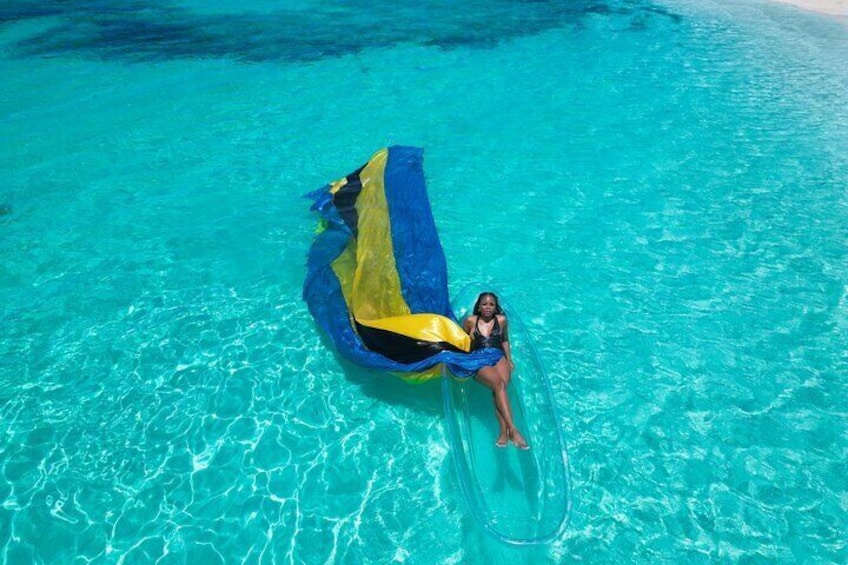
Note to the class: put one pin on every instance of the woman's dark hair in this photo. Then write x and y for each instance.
(498, 309)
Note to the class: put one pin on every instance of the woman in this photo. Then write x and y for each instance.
(487, 326)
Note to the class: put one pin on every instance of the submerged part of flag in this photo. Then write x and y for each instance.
(376, 277)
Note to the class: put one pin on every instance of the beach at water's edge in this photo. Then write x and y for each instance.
(831, 7)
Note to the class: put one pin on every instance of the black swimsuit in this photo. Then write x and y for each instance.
(494, 339)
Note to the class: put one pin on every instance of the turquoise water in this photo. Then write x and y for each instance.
(659, 187)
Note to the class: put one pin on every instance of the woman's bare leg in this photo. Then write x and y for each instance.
(502, 368)
(503, 435)
(506, 376)
(494, 379)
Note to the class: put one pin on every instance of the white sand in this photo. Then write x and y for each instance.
(832, 7)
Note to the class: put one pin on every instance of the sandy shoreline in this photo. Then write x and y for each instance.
(831, 7)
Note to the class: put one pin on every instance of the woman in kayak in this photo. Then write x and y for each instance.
(488, 327)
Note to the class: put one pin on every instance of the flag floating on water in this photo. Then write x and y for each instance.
(376, 277)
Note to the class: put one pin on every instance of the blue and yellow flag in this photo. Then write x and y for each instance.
(376, 277)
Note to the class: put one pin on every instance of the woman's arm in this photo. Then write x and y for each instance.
(468, 324)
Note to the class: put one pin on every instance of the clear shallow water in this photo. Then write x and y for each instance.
(660, 187)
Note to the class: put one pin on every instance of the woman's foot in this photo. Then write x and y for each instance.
(518, 440)
(503, 439)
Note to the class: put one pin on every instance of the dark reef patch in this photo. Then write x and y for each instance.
(160, 31)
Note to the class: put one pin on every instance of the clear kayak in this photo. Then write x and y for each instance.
(520, 497)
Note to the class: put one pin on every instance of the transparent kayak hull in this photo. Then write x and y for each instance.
(520, 497)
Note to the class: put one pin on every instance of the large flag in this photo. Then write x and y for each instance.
(376, 278)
